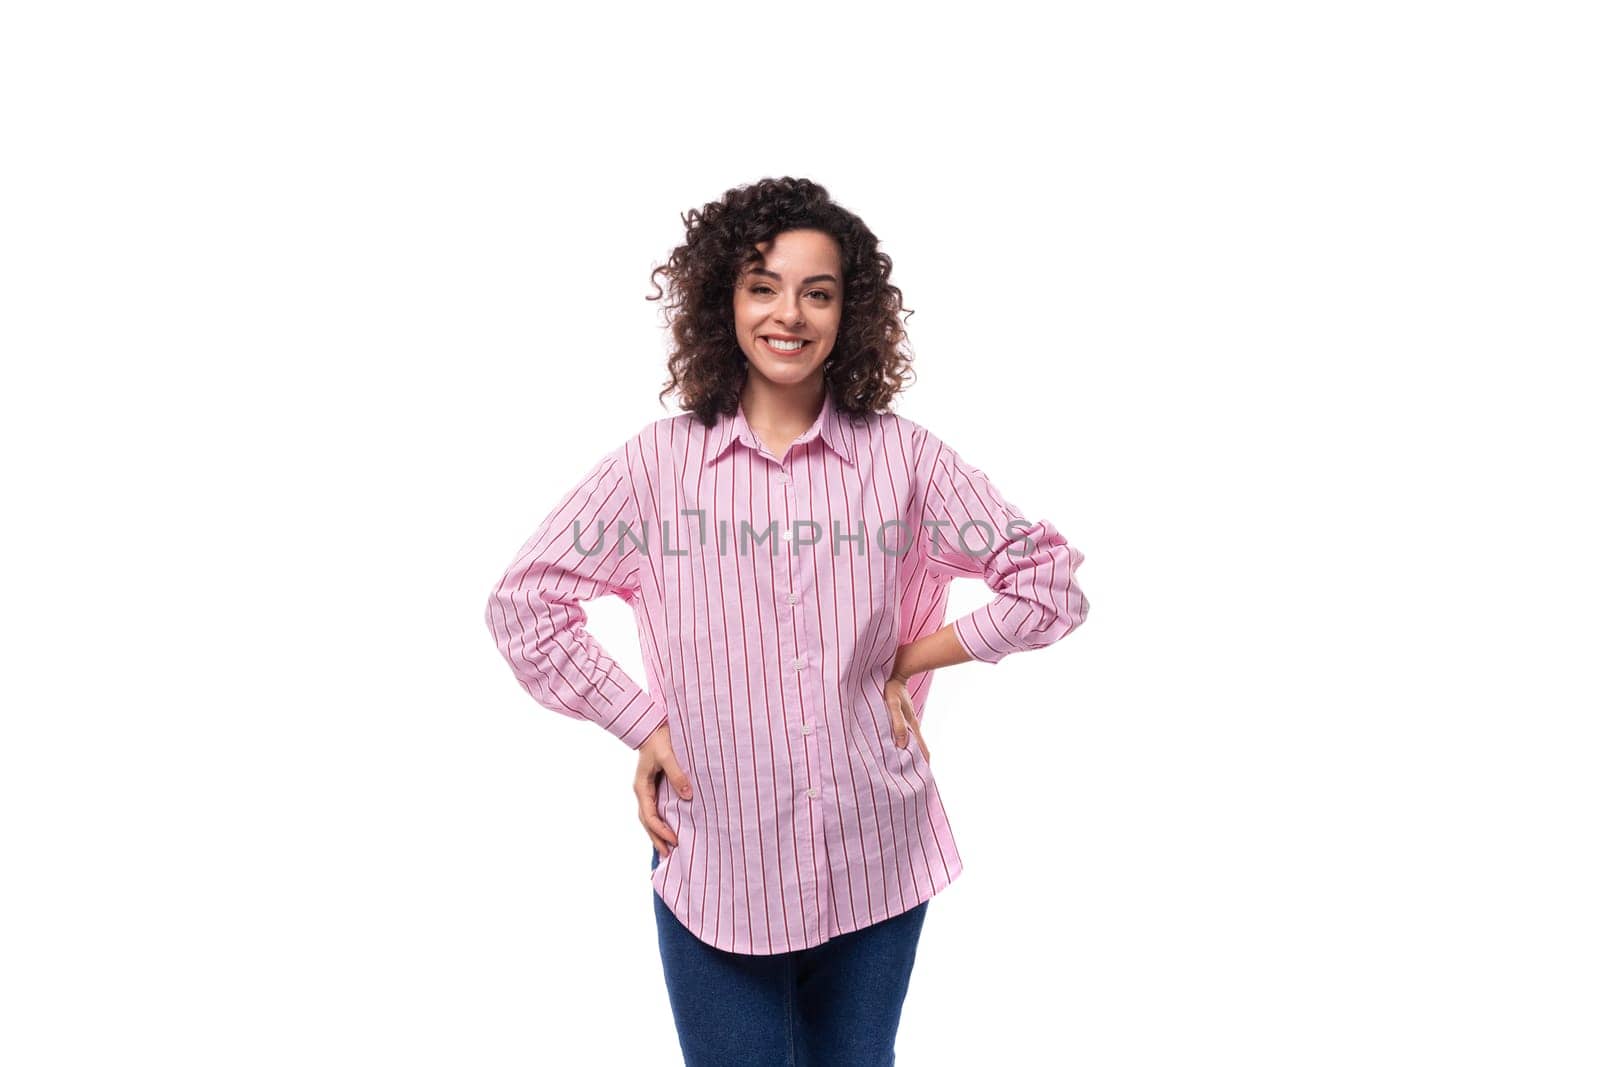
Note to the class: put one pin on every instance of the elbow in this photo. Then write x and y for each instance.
(1054, 624)
(1059, 606)
(1070, 606)
(1057, 617)
(493, 612)
(506, 616)
(1074, 605)
(1071, 611)
(1068, 617)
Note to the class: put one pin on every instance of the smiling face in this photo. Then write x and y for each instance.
(795, 295)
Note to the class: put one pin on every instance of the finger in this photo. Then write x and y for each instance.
(654, 823)
(650, 816)
(657, 827)
(897, 723)
(908, 719)
(644, 788)
(675, 775)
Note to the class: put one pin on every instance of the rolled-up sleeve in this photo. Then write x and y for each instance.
(578, 553)
(972, 530)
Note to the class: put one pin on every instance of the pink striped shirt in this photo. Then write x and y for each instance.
(771, 596)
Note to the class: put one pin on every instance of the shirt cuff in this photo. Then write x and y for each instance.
(639, 720)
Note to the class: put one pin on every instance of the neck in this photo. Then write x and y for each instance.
(782, 408)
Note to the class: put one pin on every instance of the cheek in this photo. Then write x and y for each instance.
(744, 326)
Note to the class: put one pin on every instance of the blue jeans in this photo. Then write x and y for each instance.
(836, 1004)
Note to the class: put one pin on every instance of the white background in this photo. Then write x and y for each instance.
(1283, 313)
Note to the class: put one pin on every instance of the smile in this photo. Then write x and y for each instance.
(784, 348)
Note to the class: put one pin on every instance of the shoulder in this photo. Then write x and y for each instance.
(663, 435)
(922, 446)
(891, 426)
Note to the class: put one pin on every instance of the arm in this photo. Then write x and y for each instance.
(928, 652)
(537, 620)
(974, 531)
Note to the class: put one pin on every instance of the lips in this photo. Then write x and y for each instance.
(785, 353)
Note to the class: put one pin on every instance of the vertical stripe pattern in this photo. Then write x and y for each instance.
(771, 595)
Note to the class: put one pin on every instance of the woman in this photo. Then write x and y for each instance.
(787, 545)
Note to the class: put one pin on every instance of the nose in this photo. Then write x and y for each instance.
(791, 311)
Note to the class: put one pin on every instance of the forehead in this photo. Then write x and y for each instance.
(801, 253)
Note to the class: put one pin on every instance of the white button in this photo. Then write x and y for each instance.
(794, 598)
(788, 535)
(813, 791)
(806, 728)
(799, 664)
(783, 477)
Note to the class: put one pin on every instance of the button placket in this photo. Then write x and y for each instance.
(803, 663)
(798, 662)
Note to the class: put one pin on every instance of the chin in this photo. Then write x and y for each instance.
(787, 374)
(786, 371)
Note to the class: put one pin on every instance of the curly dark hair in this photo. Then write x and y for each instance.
(871, 360)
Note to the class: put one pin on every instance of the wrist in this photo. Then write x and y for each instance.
(903, 668)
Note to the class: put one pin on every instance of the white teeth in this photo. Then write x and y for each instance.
(784, 346)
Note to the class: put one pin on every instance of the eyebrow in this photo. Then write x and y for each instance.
(806, 281)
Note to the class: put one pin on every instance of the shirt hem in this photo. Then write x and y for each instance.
(941, 880)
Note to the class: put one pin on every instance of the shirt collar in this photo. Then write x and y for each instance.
(829, 425)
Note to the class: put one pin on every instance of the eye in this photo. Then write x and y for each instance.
(820, 294)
